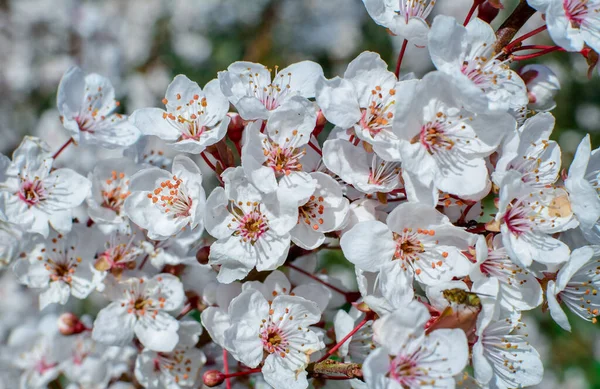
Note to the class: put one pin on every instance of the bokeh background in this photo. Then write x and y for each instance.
(141, 44)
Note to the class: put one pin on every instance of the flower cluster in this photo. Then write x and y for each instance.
(444, 195)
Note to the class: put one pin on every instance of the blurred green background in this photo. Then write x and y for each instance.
(141, 44)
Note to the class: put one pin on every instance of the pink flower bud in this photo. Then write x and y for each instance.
(69, 324)
(488, 11)
(213, 378)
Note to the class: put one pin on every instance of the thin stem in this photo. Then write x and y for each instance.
(186, 309)
(530, 47)
(335, 288)
(472, 11)
(67, 143)
(341, 342)
(226, 368)
(400, 57)
(463, 216)
(208, 162)
(536, 54)
(520, 39)
(315, 148)
(243, 373)
(143, 262)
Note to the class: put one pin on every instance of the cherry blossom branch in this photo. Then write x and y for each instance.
(400, 57)
(333, 370)
(513, 24)
(476, 3)
(511, 45)
(350, 296)
(344, 339)
(67, 143)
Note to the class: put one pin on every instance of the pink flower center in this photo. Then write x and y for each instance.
(32, 192)
(283, 160)
(404, 370)
(272, 94)
(416, 8)
(516, 219)
(433, 136)
(384, 173)
(274, 340)
(249, 226)
(171, 196)
(42, 366)
(578, 10)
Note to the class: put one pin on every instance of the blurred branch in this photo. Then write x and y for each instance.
(263, 41)
(513, 24)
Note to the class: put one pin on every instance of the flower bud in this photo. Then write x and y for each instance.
(202, 255)
(213, 378)
(542, 86)
(487, 11)
(69, 324)
(235, 128)
(320, 124)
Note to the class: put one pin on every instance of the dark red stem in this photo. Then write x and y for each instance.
(400, 56)
(508, 48)
(476, 4)
(341, 342)
(67, 143)
(537, 54)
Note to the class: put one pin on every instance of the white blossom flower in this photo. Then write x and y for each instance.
(273, 161)
(177, 369)
(467, 55)
(519, 289)
(324, 211)
(571, 23)
(542, 85)
(503, 359)
(252, 229)
(364, 101)
(528, 217)
(530, 152)
(418, 242)
(110, 187)
(194, 118)
(275, 332)
(576, 286)
(405, 18)
(119, 253)
(582, 183)
(409, 358)
(87, 105)
(61, 266)
(139, 306)
(34, 195)
(255, 95)
(164, 203)
(442, 143)
(13, 241)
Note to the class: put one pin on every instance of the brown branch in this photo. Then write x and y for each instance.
(513, 24)
(332, 369)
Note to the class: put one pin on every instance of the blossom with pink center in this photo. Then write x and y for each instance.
(364, 102)
(194, 118)
(252, 228)
(87, 104)
(60, 266)
(119, 254)
(273, 160)
(572, 24)
(443, 144)
(527, 219)
(466, 54)
(140, 306)
(405, 18)
(257, 95)
(165, 203)
(275, 332)
(410, 358)
(418, 242)
(34, 196)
